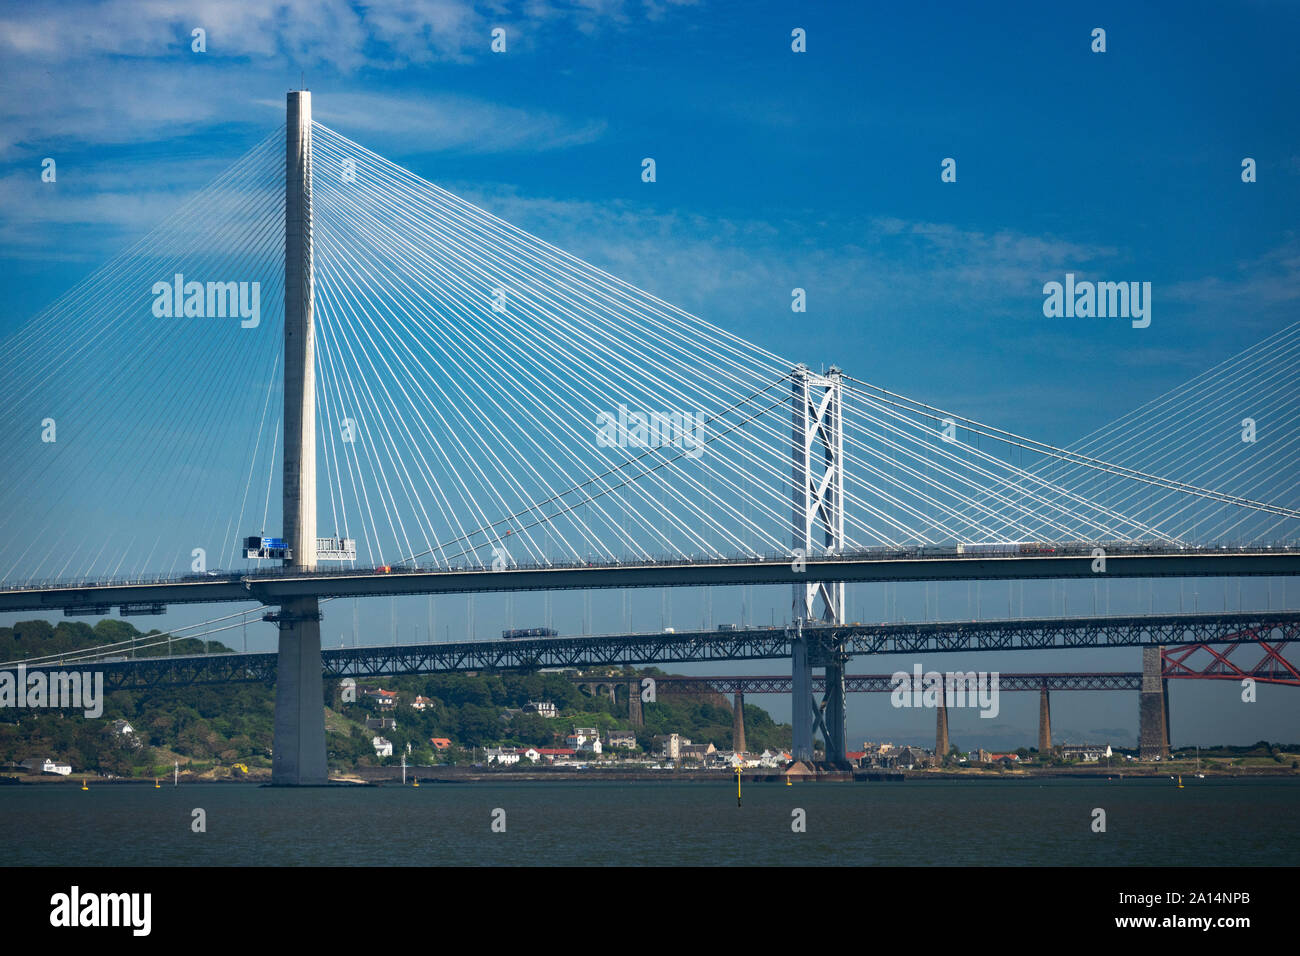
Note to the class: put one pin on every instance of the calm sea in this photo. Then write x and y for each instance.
(998, 822)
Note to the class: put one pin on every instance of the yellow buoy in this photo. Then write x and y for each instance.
(417, 782)
(83, 784)
(156, 784)
(787, 782)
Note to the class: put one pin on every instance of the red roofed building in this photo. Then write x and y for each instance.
(440, 743)
(384, 698)
(550, 753)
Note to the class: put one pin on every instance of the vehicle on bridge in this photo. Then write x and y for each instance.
(1153, 546)
(1004, 547)
(511, 633)
(257, 547)
(210, 574)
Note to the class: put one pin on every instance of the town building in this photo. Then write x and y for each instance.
(126, 735)
(584, 739)
(1087, 753)
(910, 758)
(620, 740)
(384, 699)
(543, 708)
(696, 753)
(551, 754)
(383, 747)
(669, 746)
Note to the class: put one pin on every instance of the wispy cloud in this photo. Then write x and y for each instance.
(442, 122)
(876, 261)
(123, 71)
(326, 33)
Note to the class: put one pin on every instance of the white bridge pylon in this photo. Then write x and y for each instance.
(298, 756)
(817, 443)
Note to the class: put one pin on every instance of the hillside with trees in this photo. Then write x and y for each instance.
(214, 727)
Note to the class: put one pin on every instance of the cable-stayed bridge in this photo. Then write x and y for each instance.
(460, 406)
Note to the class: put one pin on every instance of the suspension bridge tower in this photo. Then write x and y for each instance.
(818, 513)
(298, 751)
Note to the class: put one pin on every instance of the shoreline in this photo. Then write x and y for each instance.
(429, 776)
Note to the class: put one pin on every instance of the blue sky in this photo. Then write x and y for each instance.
(775, 169)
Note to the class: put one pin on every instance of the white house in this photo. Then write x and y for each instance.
(51, 767)
(543, 708)
(383, 698)
(383, 747)
(585, 738)
(1088, 753)
(532, 754)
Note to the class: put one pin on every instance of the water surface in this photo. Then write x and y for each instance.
(1226, 822)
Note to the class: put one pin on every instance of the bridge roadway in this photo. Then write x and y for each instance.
(274, 587)
(1240, 627)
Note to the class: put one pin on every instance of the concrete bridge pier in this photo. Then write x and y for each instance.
(634, 715)
(1044, 722)
(837, 724)
(1153, 708)
(801, 699)
(298, 751)
(738, 723)
(941, 744)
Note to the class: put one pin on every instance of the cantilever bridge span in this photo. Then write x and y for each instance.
(1181, 634)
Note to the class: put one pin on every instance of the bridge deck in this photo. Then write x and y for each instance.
(275, 587)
